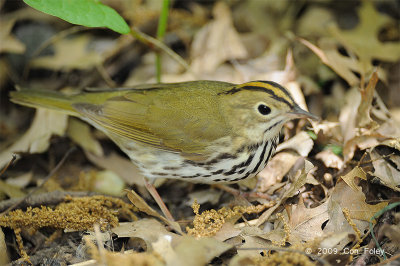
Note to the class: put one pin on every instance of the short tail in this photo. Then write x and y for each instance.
(45, 99)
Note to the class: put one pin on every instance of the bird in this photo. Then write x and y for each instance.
(198, 131)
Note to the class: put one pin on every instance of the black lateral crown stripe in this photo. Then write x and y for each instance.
(262, 89)
(274, 84)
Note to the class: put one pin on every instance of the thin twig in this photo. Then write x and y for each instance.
(375, 217)
(386, 262)
(384, 157)
(14, 157)
(49, 198)
(58, 166)
(50, 41)
(151, 42)
(103, 73)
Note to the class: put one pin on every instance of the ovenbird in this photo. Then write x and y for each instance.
(199, 131)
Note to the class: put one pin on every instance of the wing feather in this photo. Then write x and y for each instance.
(187, 124)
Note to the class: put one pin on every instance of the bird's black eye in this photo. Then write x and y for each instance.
(263, 109)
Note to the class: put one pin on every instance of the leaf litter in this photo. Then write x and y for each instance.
(327, 180)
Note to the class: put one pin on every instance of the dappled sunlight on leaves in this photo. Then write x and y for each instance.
(319, 190)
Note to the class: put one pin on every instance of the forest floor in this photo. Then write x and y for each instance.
(330, 194)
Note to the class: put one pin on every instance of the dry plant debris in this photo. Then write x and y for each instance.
(209, 222)
(74, 214)
(101, 255)
(278, 258)
(327, 179)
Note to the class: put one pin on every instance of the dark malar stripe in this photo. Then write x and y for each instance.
(269, 155)
(261, 159)
(273, 125)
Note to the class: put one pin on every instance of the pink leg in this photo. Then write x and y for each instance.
(153, 192)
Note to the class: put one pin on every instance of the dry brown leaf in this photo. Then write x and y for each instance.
(361, 43)
(251, 241)
(343, 196)
(330, 56)
(328, 128)
(209, 195)
(148, 230)
(210, 48)
(354, 200)
(8, 43)
(365, 142)
(295, 90)
(70, 54)
(353, 135)
(390, 129)
(299, 180)
(10, 190)
(80, 133)
(330, 159)
(395, 111)
(4, 259)
(189, 250)
(333, 240)
(363, 39)
(392, 231)
(358, 129)
(36, 139)
(121, 166)
(348, 115)
(139, 203)
(228, 230)
(164, 248)
(301, 142)
(275, 170)
(307, 25)
(268, 67)
(306, 223)
(388, 173)
(349, 178)
(364, 109)
(393, 143)
(106, 182)
(338, 225)
(103, 256)
(20, 181)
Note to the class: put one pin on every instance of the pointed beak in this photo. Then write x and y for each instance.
(297, 112)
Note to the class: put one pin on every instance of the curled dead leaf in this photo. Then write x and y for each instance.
(301, 142)
(275, 170)
(141, 204)
(330, 159)
(210, 48)
(36, 139)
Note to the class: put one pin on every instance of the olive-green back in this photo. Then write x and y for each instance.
(183, 117)
(179, 117)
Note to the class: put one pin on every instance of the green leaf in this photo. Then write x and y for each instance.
(336, 149)
(90, 13)
(312, 135)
